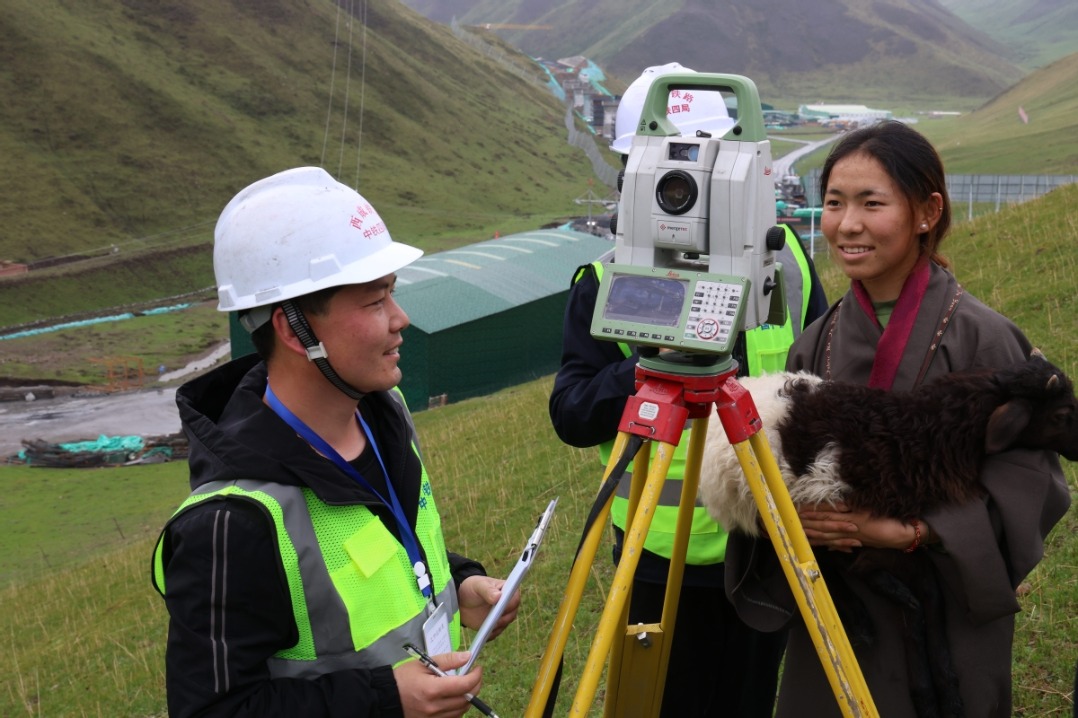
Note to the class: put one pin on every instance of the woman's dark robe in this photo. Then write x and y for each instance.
(987, 547)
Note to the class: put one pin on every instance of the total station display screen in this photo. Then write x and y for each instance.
(667, 307)
(656, 301)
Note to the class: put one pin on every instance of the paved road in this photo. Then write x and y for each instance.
(783, 164)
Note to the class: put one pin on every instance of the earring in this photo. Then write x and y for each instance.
(924, 226)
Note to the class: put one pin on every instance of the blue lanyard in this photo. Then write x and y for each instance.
(408, 537)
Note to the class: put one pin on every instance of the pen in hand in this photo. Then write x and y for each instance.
(429, 663)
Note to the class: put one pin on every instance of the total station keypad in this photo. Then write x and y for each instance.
(713, 314)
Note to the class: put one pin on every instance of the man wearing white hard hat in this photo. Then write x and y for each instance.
(739, 675)
(310, 550)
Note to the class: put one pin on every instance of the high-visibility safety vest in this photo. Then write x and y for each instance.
(766, 347)
(354, 594)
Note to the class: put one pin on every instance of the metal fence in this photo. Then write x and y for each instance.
(585, 141)
(1003, 189)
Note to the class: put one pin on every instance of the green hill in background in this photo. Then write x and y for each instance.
(1036, 32)
(132, 122)
(128, 124)
(833, 50)
(993, 139)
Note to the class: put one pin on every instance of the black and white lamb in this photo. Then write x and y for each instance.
(895, 454)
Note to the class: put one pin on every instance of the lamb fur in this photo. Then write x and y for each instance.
(895, 454)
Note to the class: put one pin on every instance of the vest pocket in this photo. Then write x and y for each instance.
(370, 547)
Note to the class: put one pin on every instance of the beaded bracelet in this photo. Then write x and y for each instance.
(916, 536)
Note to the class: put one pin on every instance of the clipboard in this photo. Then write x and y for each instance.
(516, 576)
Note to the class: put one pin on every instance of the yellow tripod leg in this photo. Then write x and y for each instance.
(803, 574)
(570, 602)
(638, 663)
(614, 678)
(612, 618)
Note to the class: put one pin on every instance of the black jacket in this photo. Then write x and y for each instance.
(234, 435)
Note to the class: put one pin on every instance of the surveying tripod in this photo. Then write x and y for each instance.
(671, 389)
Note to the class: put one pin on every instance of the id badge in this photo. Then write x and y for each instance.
(436, 632)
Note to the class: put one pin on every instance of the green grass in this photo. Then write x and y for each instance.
(44, 509)
(993, 140)
(1030, 30)
(85, 632)
(83, 354)
(82, 635)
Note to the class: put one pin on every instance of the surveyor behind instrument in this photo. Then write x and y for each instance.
(590, 392)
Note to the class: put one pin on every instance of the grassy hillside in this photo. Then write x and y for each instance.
(993, 139)
(84, 633)
(130, 123)
(1036, 32)
(806, 51)
(129, 279)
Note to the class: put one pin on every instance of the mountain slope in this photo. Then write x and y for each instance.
(883, 49)
(1036, 32)
(132, 122)
(994, 139)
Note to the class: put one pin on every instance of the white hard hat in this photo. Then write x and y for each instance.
(297, 232)
(689, 111)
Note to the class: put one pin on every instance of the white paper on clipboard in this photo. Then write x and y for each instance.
(516, 576)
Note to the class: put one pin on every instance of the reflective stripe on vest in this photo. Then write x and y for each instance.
(340, 563)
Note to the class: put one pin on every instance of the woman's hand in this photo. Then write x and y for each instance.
(477, 595)
(839, 528)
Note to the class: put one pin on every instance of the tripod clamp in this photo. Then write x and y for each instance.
(672, 387)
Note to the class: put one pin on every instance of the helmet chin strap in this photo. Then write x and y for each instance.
(316, 352)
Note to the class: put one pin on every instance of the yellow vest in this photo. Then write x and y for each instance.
(354, 595)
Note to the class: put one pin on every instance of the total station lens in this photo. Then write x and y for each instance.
(676, 192)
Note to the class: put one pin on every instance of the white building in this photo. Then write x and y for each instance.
(845, 113)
